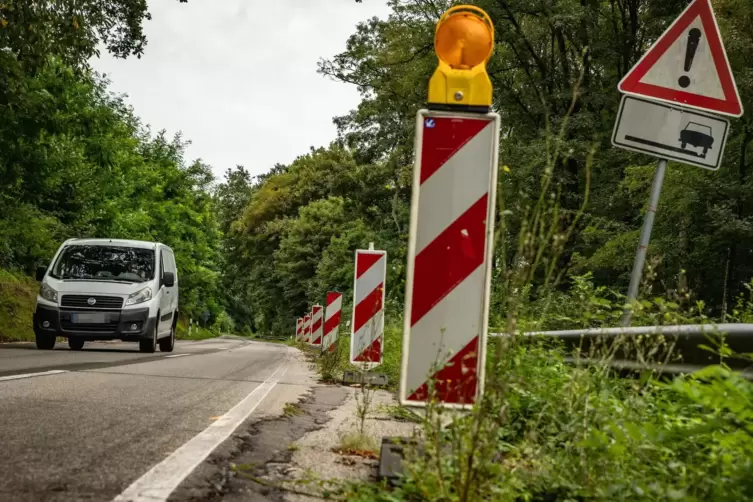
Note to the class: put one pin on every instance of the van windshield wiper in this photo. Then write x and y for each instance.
(94, 279)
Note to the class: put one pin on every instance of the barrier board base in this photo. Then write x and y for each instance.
(359, 377)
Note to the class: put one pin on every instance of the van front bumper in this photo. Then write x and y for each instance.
(118, 325)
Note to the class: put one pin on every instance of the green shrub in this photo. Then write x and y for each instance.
(18, 295)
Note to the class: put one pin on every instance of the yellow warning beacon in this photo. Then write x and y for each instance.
(464, 42)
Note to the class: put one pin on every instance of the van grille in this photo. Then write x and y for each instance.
(101, 302)
(88, 328)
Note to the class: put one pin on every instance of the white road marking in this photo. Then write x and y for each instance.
(162, 479)
(177, 355)
(31, 375)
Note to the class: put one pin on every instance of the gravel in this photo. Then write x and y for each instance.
(314, 458)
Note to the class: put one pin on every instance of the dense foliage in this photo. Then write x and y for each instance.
(358, 189)
(76, 162)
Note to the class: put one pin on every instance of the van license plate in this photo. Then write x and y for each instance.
(88, 318)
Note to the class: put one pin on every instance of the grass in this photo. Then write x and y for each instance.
(331, 367)
(197, 333)
(356, 443)
(18, 295)
(400, 413)
(292, 410)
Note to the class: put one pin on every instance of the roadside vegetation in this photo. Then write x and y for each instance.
(17, 296)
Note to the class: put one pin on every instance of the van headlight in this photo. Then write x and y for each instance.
(140, 297)
(48, 293)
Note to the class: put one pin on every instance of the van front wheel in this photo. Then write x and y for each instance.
(45, 342)
(150, 345)
(75, 343)
(167, 344)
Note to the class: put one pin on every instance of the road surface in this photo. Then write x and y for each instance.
(110, 423)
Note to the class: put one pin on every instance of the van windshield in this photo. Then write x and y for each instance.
(105, 263)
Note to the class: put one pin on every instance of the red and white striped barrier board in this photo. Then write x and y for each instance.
(307, 329)
(449, 258)
(367, 328)
(298, 329)
(317, 325)
(332, 320)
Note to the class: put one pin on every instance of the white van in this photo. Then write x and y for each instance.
(108, 289)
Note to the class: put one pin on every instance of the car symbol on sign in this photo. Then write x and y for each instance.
(696, 135)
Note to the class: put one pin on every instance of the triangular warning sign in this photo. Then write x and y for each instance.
(687, 66)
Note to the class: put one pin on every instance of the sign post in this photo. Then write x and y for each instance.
(684, 73)
(452, 220)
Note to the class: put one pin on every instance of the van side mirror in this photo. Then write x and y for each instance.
(40, 273)
(168, 279)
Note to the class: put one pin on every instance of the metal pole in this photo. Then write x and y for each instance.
(640, 255)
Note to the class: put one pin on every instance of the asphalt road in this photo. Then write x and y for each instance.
(111, 423)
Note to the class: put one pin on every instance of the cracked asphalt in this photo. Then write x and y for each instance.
(87, 425)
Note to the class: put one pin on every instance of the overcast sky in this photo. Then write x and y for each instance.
(238, 77)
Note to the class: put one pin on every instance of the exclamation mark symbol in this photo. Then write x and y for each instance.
(694, 38)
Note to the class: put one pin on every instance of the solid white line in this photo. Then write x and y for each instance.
(177, 355)
(165, 477)
(30, 375)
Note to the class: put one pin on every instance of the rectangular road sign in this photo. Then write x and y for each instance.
(449, 258)
(670, 132)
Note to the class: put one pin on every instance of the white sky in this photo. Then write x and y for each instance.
(233, 76)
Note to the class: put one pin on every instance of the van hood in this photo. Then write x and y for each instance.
(79, 287)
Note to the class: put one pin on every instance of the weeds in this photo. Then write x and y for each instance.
(330, 364)
(292, 410)
(357, 443)
(400, 413)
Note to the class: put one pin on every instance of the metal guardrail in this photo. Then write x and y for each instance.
(689, 343)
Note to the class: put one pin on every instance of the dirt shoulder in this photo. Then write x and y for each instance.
(319, 455)
(294, 451)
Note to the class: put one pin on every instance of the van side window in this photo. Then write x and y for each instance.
(162, 268)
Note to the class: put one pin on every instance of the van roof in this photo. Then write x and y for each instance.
(116, 242)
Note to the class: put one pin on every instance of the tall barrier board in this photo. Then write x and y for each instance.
(307, 329)
(332, 320)
(298, 329)
(317, 325)
(367, 328)
(449, 258)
